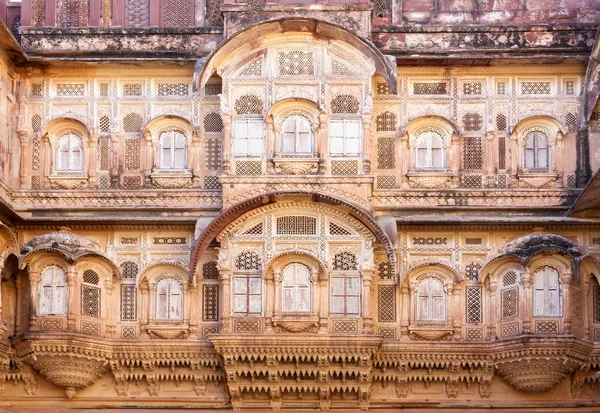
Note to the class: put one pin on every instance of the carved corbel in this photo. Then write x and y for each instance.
(402, 386)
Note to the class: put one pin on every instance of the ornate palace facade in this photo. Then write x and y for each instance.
(292, 206)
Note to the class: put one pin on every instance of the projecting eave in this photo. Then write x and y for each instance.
(10, 45)
(587, 204)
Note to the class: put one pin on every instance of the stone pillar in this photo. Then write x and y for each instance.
(24, 167)
(225, 295)
(73, 302)
(148, 159)
(323, 283)
(366, 142)
(19, 328)
(151, 302)
(458, 312)
(583, 170)
(194, 160)
(405, 160)
(323, 142)
(566, 279)
(144, 309)
(271, 138)
(367, 281)
(452, 304)
(492, 310)
(93, 158)
(47, 156)
(586, 315)
(226, 144)
(115, 140)
(272, 298)
(557, 159)
(489, 157)
(454, 160)
(514, 158)
(34, 279)
(526, 281)
(193, 298)
(111, 317)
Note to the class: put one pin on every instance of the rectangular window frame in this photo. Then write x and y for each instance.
(235, 140)
(247, 294)
(345, 295)
(345, 139)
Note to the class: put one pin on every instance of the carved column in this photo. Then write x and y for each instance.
(557, 159)
(24, 167)
(323, 142)
(193, 298)
(324, 305)
(225, 295)
(526, 281)
(454, 159)
(458, 311)
(195, 160)
(514, 158)
(93, 158)
(110, 302)
(34, 279)
(489, 157)
(19, 328)
(144, 310)
(73, 299)
(47, 156)
(148, 159)
(366, 142)
(493, 310)
(452, 304)
(273, 298)
(405, 160)
(367, 281)
(270, 144)
(226, 143)
(586, 315)
(115, 139)
(151, 302)
(404, 312)
(566, 279)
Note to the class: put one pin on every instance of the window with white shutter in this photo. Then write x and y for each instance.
(296, 135)
(69, 155)
(431, 300)
(169, 300)
(52, 292)
(547, 294)
(344, 137)
(173, 150)
(537, 151)
(430, 151)
(247, 294)
(296, 291)
(248, 138)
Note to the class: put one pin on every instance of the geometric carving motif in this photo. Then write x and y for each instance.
(132, 182)
(344, 167)
(344, 104)
(210, 271)
(73, 13)
(474, 334)
(597, 334)
(571, 122)
(386, 152)
(472, 122)
(474, 305)
(384, 270)
(214, 17)
(381, 8)
(213, 123)
(430, 88)
(430, 241)
(387, 303)
(213, 152)
(510, 302)
(51, 324)
(383, 89)
(546, 326)
(596, 302)
(501, 88)
(212, 182)
(213, 89)
(248, 168)
(472, 152)
(35, 154)
(103, 90)
(132, 123)
(137, 13)
(91, 277)
(571, 181)
(473, 241)
(207, 331)
(128, 302)
(345, 261)
(178, 13)
(104, 124)
(509, 329)
(70, 89)
(338, 68)
(37, 13)
(535, 88)
(36, 123)
(388, 333)
(501, 181)
(335, 229)
(248, 261)
(173, 89)
(471, 181)
(132, 89)
(296, 225)
(103, 152)
(345, 326)
(569, 87)
(249, 105)
(169, 240)
(92, 329)
(36, 90)
(90, 301)
(128, 332)
(129, 269)
(210, 298)
(129, 241)
(501, 122)
(296, 63)
(386, 122)
(36, 182)
(502, 152)
(247, 326)
(132, 154)
(253, 68)
(386, 182)
(472, 88)
(509, 278)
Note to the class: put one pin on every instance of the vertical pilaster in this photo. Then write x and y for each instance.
(225, 295)
(367, 281)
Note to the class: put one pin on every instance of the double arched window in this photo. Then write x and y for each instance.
(537, 151)
(69, 156)
(296, 135)
(296, 294)
(173, 150)
(430, 300)
(169, 300)
(52, 292)
(547, 294)
(430, 151)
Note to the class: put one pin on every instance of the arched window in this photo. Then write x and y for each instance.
(509, 296)
(69, 156)
(430, 151)
(431, 300)
(90, 294)
(247, 285)
(547, 294)
(296, 135)
(537, 151)
(173, 150)
(295, 287)
(169, 300)
(345, 285)
(52, 292)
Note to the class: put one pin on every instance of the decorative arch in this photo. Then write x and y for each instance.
(55, 127)
(295, 255)
(152, 273)
(220, 58)
(218, 225)
(438, 124)
(546, 124)
(497, 266)
(422, 268)
(293, 106)
(164, 122)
